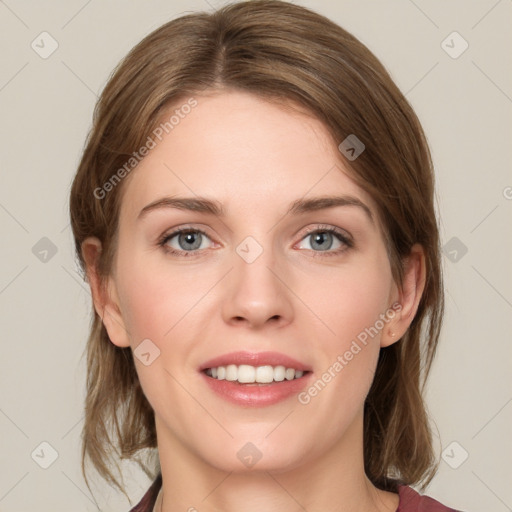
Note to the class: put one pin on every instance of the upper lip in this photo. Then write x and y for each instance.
(255, 359)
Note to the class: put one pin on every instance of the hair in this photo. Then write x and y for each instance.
(282, 53)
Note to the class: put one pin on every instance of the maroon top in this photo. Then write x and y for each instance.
(410, 500)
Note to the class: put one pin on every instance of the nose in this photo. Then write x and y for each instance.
(257, 294)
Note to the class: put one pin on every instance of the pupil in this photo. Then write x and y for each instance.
(190, 240)
(322, 240)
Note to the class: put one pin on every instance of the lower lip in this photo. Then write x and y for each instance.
(257, 395)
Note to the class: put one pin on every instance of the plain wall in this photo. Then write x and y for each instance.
(465, 106)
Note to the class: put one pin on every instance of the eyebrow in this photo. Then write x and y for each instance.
(204, 205)
(320, 203)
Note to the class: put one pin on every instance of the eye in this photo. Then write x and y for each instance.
(328, 240)
(185, 240)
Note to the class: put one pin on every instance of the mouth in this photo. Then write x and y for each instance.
(255, 379)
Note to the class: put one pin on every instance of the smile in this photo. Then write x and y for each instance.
(255, 379)
(247, 374)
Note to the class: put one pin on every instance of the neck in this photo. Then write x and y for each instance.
(334, 482)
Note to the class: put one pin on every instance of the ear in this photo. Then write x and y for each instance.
(407, 298)
(104, 294)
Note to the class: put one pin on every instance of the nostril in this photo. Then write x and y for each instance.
(238, 319)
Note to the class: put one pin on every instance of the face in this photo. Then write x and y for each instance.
(253, 270)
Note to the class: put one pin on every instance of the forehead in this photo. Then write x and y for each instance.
(243, 151)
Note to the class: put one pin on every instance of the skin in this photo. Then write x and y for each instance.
(254, 157)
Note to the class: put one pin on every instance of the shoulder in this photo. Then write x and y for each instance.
(411, 501)
(147, 503)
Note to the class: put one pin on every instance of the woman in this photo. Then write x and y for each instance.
(254, 214)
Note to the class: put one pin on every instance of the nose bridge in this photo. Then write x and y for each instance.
(255, 294)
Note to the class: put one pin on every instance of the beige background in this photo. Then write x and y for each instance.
(465, 105)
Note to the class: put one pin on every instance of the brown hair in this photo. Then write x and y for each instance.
(280, 52)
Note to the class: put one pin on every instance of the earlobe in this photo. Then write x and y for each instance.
(104, 294)
(409, 296)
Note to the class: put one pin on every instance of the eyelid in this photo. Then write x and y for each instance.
(344, 238)
(327, 227)
(176, 231)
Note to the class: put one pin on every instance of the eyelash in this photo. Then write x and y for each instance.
(345, 240)
(169, 250)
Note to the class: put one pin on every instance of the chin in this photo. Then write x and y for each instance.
(255, 453)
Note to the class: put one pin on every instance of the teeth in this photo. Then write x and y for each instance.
(280, 373)
(231, 372)
(247, 374)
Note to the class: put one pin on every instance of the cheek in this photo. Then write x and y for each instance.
(350, 300)
(153, 302)
(159, 305)
(352, 306)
